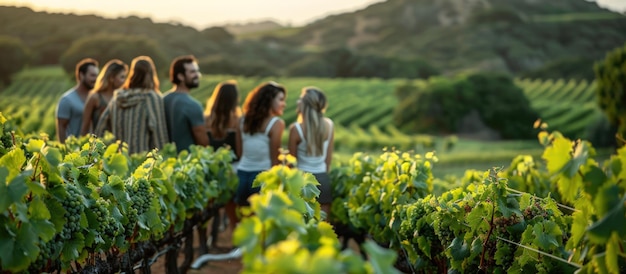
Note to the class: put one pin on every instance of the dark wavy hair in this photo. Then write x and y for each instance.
(220, 107)
(178, 66)
(142, 75)
(258, 105)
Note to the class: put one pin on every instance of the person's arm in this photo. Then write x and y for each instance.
(198, 127)
(276, 134)
(61, 129)
(63, 114)
(104, 123)
(294, 140)
(331, 145)
(87, 114)
(200, 135)
(238, 140)
(160, 134)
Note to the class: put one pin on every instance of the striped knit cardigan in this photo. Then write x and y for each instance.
(136, 117)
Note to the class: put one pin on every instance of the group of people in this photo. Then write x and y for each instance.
(128, 103)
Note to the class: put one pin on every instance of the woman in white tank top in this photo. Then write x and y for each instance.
(311, 141)
(259, 136)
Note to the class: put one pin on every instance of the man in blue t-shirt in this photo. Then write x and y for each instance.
(183, 113)
(69, 111)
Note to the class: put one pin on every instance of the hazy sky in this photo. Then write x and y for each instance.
(203, 13)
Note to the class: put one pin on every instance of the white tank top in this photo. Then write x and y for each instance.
(255, 153)
(312, 164)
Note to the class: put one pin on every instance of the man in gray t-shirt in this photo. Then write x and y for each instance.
(183, 113)
(69, 111)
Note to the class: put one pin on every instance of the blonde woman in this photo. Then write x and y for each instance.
(111, 77)
(136, 114)
(311, 140)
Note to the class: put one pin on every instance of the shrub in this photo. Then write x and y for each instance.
(104, 47)
(14, 55)
(441, 105)
(611, 87)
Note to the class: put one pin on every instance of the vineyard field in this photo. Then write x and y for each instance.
(361, 108)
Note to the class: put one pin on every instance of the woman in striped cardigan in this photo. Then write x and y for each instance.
(136, 114)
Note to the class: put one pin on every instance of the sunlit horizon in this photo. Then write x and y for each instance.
(202, 14)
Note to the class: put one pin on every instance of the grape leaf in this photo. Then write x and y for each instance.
(34, 145)
(600, 231)
(13, 161)
(458, 249)
(558, 155)
(381, 259)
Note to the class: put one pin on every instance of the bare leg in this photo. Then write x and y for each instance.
(231, 212)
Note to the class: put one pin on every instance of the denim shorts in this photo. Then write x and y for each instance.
(245, 189)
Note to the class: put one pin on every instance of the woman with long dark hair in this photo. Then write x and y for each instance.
(259, 136)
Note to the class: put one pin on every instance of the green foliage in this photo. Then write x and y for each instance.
(611, 87)
(284, 232)
(441, 104)
(14, 55)
(219, 64)
(567, 68)
(344, 63)
(104, 47)
(65, 205)
(218, 34)
(491, 16)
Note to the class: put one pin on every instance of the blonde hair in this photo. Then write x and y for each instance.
(312, 106)
(108, 73)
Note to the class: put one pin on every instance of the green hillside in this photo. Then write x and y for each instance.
(356, 105)
(505, 35)
(522, 37)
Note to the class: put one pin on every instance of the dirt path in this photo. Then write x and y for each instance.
(224, 245)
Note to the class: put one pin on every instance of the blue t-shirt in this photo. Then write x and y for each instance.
(71, 107)
(182, 113)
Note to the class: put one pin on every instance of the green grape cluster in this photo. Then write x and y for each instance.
(446, 235)
(73, 209)
(46, 253)
(106, 223)
(141, 195)
(409, 227)
(6, 143)
(190, 189)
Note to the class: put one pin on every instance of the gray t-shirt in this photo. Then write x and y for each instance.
(182, 113)
(71, 107)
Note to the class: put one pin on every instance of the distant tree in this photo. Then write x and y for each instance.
(218, 34)
(104, 47)
(611, 87)
(440, 105)
(219, 64)
(14, 55)
(312, 66)
(49, 50)
(411, 68)
(342, 59)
